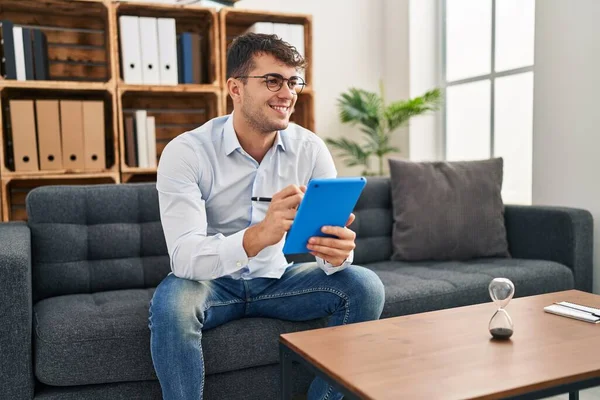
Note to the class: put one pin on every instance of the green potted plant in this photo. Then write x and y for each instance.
(377, 121)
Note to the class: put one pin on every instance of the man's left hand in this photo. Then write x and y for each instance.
(334, 250)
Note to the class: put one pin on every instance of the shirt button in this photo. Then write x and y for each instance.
(239, 264)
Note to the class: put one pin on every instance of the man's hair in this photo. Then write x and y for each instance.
(243, 48)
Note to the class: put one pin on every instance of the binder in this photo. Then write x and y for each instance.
(187, 67)
(179, 60)
(71, 129)
(197, 70)
(149, 50)
(296, 39)
(141, 138)
(22, 119)
(282, 31)
(48, 132)
(9, 68)
(262, 27)
(40, 55)
(131, 55)
(94, 135)
(151, 138)
(167, 51)
(28, 54)
(130, 142)
(19, 53)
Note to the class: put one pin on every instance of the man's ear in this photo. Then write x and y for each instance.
(234, 87)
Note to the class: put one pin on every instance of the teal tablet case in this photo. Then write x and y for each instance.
(326, 202)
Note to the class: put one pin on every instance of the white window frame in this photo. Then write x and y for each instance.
(444, 84)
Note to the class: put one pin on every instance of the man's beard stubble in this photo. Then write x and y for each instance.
(259, 121)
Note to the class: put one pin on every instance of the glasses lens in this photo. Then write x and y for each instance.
(296, 83)
(274, 82)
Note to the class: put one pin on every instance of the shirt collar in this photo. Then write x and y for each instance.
(231, 142)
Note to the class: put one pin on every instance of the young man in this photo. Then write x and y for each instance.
(226, 249)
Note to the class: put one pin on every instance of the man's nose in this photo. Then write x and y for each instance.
(286, 92)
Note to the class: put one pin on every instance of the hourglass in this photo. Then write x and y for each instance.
(501, 291)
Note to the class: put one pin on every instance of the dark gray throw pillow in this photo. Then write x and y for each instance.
(447, 210)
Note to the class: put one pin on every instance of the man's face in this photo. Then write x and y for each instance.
(266, 110)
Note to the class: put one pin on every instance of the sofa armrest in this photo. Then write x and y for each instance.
(16, 369)
(561, 234)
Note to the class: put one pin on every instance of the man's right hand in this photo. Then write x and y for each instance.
(277, 221)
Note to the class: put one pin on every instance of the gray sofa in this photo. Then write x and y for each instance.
(76, 279)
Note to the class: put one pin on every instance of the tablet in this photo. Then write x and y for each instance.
(326, 202)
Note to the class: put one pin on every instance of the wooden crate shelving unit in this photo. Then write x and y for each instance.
(76, 91)
(175, 112)
(203, 21)
(85, 63)
(234, 22)
(77, 33)
(176, 108)
(15, 189)
(80, 68)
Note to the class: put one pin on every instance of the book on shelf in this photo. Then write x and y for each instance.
(140, 139)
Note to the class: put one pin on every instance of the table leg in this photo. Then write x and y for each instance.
(285, 362)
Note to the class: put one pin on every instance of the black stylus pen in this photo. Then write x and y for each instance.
(265, 199)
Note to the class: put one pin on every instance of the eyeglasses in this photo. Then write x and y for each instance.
(274, 82)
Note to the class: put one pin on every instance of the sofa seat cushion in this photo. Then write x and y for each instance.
(104, 337)
(414, 287)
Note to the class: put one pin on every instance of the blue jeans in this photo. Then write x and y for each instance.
(181, 309)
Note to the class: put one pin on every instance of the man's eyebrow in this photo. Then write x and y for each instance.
(278, 74)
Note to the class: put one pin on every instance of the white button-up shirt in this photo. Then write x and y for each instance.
(205, 183)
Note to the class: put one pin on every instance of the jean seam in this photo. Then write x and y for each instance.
(222, 303)
(202, 361)
(312, 290)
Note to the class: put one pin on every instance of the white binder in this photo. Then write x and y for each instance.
(131, 58)
(282, 31)
(262, 27)
(167, 51)
(141, 134)
(19, 53)
(151, 137)
(296, 39)
(149, 46)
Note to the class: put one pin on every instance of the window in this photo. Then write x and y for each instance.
(487, 76)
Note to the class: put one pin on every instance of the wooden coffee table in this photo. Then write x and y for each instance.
(449, 354)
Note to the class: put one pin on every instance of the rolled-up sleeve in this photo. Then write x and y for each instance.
(193, 254)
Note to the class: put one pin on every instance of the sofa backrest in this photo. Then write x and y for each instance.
(93, 238)
(373, 224)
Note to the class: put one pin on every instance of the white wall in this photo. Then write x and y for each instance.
(347, 52)
(425, 141)
(396, 72)
(566, 120)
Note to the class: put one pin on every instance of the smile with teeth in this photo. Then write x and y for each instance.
(282, 109)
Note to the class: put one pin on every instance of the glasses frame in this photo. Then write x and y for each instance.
(302, 83)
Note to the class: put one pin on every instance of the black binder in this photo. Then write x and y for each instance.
(28, 53)
(40, 55)
(8, 66)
